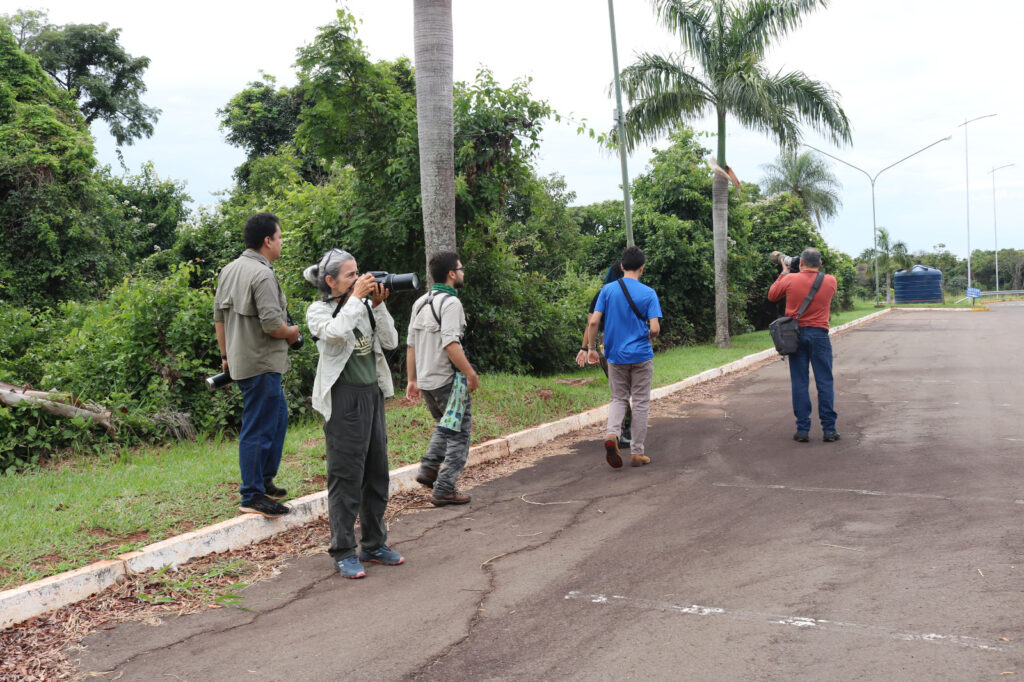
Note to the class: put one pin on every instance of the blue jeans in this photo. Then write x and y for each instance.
(815, 349)
(264, 423)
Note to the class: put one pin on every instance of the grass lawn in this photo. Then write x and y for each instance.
(73, 512)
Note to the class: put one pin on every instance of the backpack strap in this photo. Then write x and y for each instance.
(631, 304)
(810, 295)
(430, 302)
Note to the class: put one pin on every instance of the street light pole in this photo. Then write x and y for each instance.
(967, 184)
(871, 179)
(995, 232)
(622, 131)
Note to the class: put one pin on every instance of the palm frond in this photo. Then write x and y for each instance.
(757, 22)
(813, 102)
(690, 21)
(662, 92)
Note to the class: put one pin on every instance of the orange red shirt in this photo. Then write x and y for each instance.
(795, 286)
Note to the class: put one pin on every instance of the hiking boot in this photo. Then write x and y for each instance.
(831, 436)
(264, 506)
(426, 477)
(382, 555)
(611, 451)
(801, 437)
(639, 460)
(454, 497)
(349, 567)
(273, 492)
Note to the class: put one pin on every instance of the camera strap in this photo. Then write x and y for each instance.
(810, 295)
(631, 304)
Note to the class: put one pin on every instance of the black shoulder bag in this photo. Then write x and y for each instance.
(785, 331)
(633, 305)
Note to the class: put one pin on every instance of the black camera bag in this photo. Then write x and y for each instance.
(785, 331)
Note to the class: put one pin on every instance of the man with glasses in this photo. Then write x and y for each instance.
(253, 332)
(438, 369)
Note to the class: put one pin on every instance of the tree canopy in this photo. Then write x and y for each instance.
(88, 61)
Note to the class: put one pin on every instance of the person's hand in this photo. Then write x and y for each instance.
(412, 390)
(785, 268)
(380, 294)
(293, 334)
(581, 358)
(472, 382)
(364, 286)
(592, 357)
(224, 364)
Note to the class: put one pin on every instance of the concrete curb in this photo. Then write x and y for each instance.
(39, 597)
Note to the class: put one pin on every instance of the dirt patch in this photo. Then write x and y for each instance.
(44, 563)
(574, 381)
(545, 393)
(403, 402)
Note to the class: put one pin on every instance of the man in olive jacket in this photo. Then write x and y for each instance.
(254, 334)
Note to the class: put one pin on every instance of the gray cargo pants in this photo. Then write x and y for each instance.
(357, 468)
(448, 450)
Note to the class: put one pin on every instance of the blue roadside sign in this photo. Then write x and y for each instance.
(973, 292)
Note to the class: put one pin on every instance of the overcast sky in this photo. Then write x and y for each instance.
(908, 73)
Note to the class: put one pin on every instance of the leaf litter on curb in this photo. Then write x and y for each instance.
(45, 647)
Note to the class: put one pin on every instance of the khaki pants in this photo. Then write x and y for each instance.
(630, 381)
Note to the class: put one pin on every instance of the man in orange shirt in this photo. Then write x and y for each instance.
(815, 348)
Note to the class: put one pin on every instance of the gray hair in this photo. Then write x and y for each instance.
(811, 258)
(330, 264)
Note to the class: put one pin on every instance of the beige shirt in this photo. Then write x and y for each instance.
(336, 341)
(250, 303)
(429, 339)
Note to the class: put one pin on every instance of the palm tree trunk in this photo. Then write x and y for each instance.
(435, 119)
(720, 228)
(720, 238)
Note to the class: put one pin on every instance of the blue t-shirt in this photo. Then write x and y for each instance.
(626, 337)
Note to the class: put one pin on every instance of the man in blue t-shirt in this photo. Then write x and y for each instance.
(632, 318)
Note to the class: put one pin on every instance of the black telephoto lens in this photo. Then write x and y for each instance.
(409, 281)
(218, 380)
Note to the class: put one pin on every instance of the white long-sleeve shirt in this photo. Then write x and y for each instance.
(336, 341)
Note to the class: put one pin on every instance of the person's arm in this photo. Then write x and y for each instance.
(387, 334)
(412, 389)
(592, 325)
(289, 333)
(222, 343)
(461, 362)
(777, 292)
(334, 329)
(583, 355)
(655, 326)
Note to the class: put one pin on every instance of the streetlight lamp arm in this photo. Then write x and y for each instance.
(945, 139)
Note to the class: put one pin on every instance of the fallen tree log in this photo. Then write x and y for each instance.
(52, 402)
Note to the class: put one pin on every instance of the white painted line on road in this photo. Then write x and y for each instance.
(801, 622)
(855, 491)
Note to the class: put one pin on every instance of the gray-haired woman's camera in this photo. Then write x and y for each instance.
(407, 282)
(218, 380)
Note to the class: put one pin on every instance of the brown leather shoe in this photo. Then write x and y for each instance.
(639, 460)
(611, 451)
(454, 497)
(426, 477)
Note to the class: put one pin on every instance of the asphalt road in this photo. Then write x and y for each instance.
(896, 553)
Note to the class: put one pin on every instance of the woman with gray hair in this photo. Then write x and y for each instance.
(352, 328)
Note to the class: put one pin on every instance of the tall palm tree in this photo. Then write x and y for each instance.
(435, 117)
(728, 41)
(808, 176)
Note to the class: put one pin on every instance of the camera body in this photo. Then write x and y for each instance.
(299, 341)
(409, 281)
(791, 262)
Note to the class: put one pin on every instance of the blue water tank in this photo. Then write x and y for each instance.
(920, 284)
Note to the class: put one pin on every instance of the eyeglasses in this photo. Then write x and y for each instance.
(461, 267)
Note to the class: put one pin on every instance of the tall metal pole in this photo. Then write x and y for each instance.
(874, 223)
(995, 232)
(967, 184)
(622, 131)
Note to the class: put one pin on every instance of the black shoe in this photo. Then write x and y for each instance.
(831, 436)
(624, 442)
(426, 477)
(273, 492)
(801, 437)
(264, 506)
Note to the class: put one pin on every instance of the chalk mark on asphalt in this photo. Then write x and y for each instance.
(873, 493)
(801, 622)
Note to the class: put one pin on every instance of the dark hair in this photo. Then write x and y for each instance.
(632, 258)
(811, 258)
(441, 263)
(614, 273)
(258, 228)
